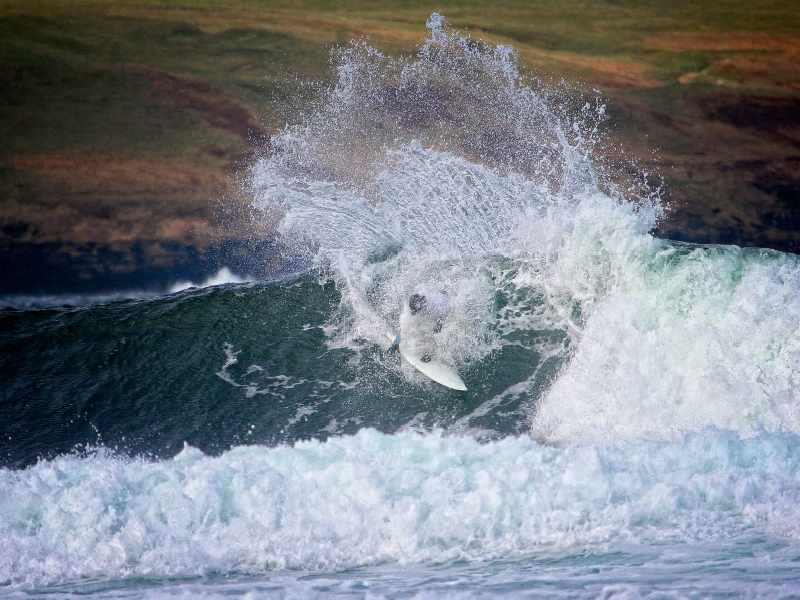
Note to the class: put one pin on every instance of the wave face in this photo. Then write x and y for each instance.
(631, 421)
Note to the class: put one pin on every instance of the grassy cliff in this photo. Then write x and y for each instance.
(122, 122)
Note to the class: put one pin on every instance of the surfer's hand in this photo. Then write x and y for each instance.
(427, 358)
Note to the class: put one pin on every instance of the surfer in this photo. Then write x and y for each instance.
(433, 306)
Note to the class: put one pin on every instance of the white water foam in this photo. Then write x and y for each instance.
(373, 498)
(685, 338)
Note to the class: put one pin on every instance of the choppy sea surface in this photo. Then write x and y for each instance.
(631, 427)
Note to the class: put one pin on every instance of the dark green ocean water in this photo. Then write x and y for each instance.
(217, 367)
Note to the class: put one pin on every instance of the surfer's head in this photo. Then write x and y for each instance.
(417, 302)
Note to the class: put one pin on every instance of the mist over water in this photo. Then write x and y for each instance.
(631, 425)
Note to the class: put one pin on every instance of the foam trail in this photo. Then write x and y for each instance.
(30, 302)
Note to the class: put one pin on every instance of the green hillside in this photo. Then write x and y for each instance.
(123, 122)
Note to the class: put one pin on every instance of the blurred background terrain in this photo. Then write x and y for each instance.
(124, 123)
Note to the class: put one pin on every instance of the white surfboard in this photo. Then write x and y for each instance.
(438, 371)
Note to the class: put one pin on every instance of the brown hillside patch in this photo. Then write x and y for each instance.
(730, 159)
(779, 68)
(407, 32)
(781, 71)
(603, 73)
(319, 27)
(214, 105)
(110, 199)
(722, 42)
(125, 176)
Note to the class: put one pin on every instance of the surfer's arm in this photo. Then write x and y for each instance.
(395, 347)
(438, 323)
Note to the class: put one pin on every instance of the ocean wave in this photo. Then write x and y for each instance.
(537, 247)
(373, 498)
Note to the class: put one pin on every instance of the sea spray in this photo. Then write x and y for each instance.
(427, 172)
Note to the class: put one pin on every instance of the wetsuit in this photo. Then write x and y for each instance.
(427, 306)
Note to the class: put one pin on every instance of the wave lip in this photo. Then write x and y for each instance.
(222, 277)
(374, 498)
(32, 302)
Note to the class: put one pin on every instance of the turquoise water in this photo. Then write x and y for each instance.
(631, 427)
